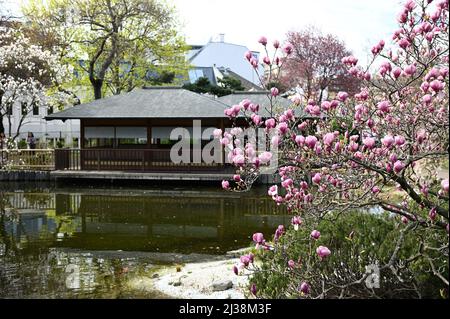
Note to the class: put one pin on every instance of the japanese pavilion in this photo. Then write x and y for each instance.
(131, 132)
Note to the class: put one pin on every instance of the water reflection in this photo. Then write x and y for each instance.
(44, 232)
(164, 221)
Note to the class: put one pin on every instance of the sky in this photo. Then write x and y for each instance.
(359, 23)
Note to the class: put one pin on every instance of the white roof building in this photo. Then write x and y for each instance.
(220, 54)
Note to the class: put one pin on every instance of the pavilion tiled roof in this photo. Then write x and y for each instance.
(165, 102)
(153, 102)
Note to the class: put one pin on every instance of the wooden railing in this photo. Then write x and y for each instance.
(145, 160)
(18, 159)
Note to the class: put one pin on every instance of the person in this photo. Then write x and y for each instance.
(3, 141)
(31, 141)
(3, 147)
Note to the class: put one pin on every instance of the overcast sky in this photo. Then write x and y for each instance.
(360, 23)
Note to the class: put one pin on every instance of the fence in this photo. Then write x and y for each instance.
(124, 160)
(37, 159)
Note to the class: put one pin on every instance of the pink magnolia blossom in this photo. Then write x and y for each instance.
(304, 288)
(323, 252)
(256, 119)
(427, 99)
(263, 40)
(300, 140)
(259, 240)
(399, 140)
(302, 126)
(444, 185)
(396, 72)
(425, 86)
(254, 107)
(404, 43)
(225, 184)
(317, 178)
(342, 96)
(288, 48)
(217, 133)
(273, 190)
(248, 55)
(275, 141)
(388, 141)
(253, 289)
(315, 234)
(224, 141)
(410, 70)
(238, 159)
(437, 85)
(265, 157)
(398, 166)
(283, 128)
(384, 106)
(274, 91)
(296, 222)
(276, 44)
(369, 142)
(246, 260)
(291, 264)
(270, 123)
(279, 232)
(245, 103)
(432, 214)
(328, 138)
(402, 17)
(287, 183)
(311, 141)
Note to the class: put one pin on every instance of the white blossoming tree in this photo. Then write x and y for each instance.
(29, 78)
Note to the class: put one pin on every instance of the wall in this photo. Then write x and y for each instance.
(42, 129)
(24, 176)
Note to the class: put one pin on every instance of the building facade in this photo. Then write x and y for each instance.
(220, 54)
(48, 134)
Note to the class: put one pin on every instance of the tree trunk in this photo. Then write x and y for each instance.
(2, 127)
(97, 85)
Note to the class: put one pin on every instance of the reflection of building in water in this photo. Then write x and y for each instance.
(156, 220)
(31, 225)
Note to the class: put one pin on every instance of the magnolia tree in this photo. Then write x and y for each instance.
(315, 65)
(381, 147)
(27, 79)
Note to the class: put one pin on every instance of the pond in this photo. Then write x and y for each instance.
(89, 241)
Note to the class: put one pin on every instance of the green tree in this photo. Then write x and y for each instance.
(112, 45)
(231, 83)
(203, 85)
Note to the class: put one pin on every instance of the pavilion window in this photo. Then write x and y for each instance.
(127, 136)
(99, 137)
(161, 135)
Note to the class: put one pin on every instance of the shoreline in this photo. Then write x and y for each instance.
(202, 279)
